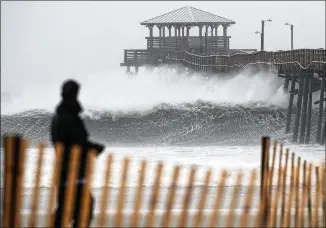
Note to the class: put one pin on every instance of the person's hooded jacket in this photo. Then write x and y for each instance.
(68, 128)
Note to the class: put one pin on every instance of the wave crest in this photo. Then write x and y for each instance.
(166, 124)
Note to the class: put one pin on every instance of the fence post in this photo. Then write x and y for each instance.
(14, 170)
(264, 180)
(8, 145)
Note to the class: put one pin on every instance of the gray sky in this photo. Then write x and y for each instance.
(54, 40)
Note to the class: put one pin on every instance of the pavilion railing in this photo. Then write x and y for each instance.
(134, 57)
(175, 43)
(292, 192)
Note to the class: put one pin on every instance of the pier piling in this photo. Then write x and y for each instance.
(321, 109)
(323, 137)
(298, 109)
(136, 61)
(304, 107)
(287, 80)
(289, 115)
(308, 128)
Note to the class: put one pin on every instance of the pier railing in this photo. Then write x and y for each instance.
(135, 57)
(314, 59)
(292, 192)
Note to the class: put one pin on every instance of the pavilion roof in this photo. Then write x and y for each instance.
(187, 16)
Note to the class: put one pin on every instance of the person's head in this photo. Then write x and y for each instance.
(70, 89)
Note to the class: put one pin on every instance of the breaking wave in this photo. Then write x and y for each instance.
(186, 124)
(159, 107)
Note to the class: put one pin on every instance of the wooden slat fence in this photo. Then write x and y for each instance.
(292, 192)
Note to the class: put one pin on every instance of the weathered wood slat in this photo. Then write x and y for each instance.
(287, 219)
(121, 198)
(36, 190)
(187, 198)
(248, 201)
(20, 180)
(283, 199)
(55, 180)
(9, 163)
(278, 189)
(155, 195)
(165, 222)
(297, 189)
(214, 217)
(69, 204)
(85, 201)
(315, 222)
(229, 222)
(271, 173)
(303, 195)
(105, 196)
(309, 188)
(138, 195)
(202, 201)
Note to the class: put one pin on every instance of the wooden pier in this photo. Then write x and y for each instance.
(303, 70)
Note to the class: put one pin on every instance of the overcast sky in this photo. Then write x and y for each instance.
(51, 40)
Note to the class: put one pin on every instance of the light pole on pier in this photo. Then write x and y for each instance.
(257, 32)
(262, 33)
(291, 25)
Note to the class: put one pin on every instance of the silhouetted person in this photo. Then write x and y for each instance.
(68, 128)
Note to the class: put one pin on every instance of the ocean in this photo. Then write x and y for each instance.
(210, 121)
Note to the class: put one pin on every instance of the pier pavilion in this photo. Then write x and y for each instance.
(174, 35)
